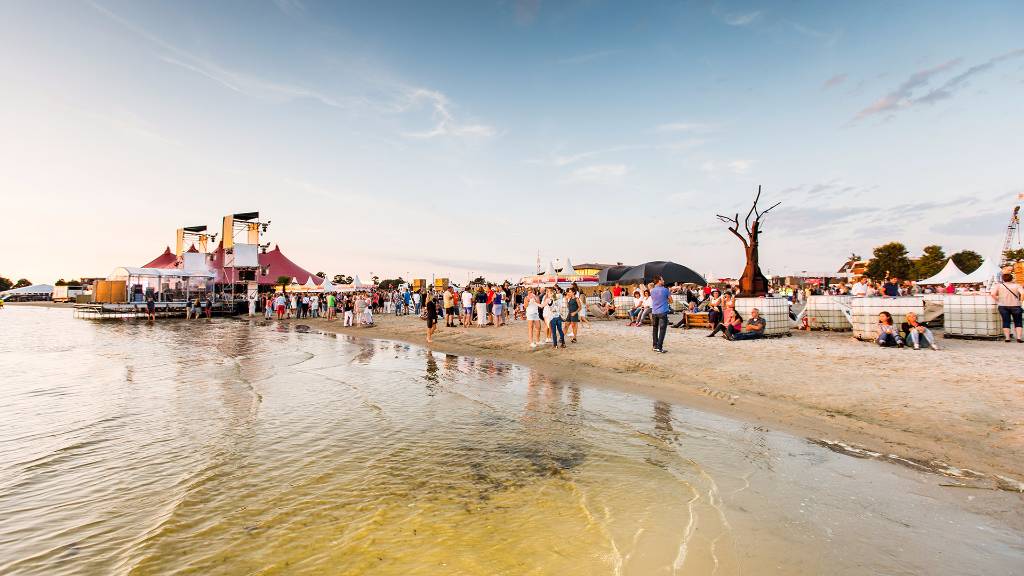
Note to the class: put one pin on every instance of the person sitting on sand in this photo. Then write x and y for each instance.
(887, 334)
(753, 329)
(731, 323)
(644, 309)
(915, 331)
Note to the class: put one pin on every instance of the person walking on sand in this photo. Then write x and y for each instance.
(448, 299)
(349, 311)
(332, 303)
(533, 321)
(573, 317)
(496, 307)
(659, 313)
(554, 317)
(431, 319)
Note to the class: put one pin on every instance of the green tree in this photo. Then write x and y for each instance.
(321, 275)
(1014, 254)
(5, 284)
(284, 281)
(60, 282)
(478, 280)
(390, 283)
(342, 279)
(890, 259)
(930, 263)
(967, 260)
(21, 283)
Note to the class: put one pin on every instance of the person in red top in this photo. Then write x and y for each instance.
(950, 289)
(490, 304)
(617, 291)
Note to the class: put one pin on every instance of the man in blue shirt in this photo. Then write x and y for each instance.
(659, 313)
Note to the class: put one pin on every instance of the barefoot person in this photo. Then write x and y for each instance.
(533, 321)
(554, 318)
(1007, 295)
(151, 308)
(573, 318)
(431, 319)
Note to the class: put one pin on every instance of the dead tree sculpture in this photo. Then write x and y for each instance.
(752, 283)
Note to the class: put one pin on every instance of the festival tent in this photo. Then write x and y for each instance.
(357, 285)
(327, 286)
(950, 274)
(568, 268)
(670, 271)
(612, 274)
(34, 291)
(984, 274)
(274, 262)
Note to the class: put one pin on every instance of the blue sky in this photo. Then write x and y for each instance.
(456, 138)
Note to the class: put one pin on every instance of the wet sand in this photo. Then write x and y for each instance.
(958, 411)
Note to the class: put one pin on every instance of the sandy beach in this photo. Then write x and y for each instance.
(958, 411)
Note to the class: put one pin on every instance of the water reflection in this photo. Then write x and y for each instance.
(232, 447)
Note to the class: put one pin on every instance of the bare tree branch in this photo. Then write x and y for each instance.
(735, 221)
(753, 210)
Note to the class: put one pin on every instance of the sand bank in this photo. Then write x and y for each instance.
(959, 410)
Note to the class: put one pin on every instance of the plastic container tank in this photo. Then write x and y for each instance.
(865, 313)
(971, 316)
(826, 312)
(775, 312)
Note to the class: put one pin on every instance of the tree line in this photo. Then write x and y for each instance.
(892, 259)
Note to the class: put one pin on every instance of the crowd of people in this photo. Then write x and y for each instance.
(553, 315)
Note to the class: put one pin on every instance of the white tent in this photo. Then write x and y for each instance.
(950, 274)
(568, 269)
(551, 270)
(26, 291)
(357, 285)
(327, 286)
(984, 274)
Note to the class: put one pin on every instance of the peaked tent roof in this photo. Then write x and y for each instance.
(950, 274)
(165, 260)
(568, 268)
(984, 274)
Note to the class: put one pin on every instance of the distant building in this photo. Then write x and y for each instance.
(591, 269)
(853, 268)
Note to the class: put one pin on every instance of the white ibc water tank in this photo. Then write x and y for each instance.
(971, 315)
(865, 313)
(677, 302)
(827, 312)
(623, 304)
(775, 312)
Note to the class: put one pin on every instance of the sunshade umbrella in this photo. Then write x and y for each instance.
(612, 274)
(670, 271)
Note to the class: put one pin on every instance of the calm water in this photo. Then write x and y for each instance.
(230, 447)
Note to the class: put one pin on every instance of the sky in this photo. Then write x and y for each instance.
(455, 139)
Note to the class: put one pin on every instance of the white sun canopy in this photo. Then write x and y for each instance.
(950, 274)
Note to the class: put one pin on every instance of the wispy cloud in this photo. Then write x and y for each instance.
(834, 81)
(445, 123)
(904, 96)
(389, 98)
(960, 80)
(589, 57)
(828, 38)
(741, 18)
(600, 172)
(738, 167)
(694, 127)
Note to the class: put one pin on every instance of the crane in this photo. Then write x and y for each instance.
(1010, 229)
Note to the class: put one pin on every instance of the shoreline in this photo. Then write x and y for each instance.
(955, 412)
(951, 441)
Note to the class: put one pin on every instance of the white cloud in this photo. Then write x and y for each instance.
(600, 172)
(290, 7)
(738, 166)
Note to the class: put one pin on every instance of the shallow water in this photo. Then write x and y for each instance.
(237, 447)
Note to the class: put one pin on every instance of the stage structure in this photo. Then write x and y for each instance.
(243, 257)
